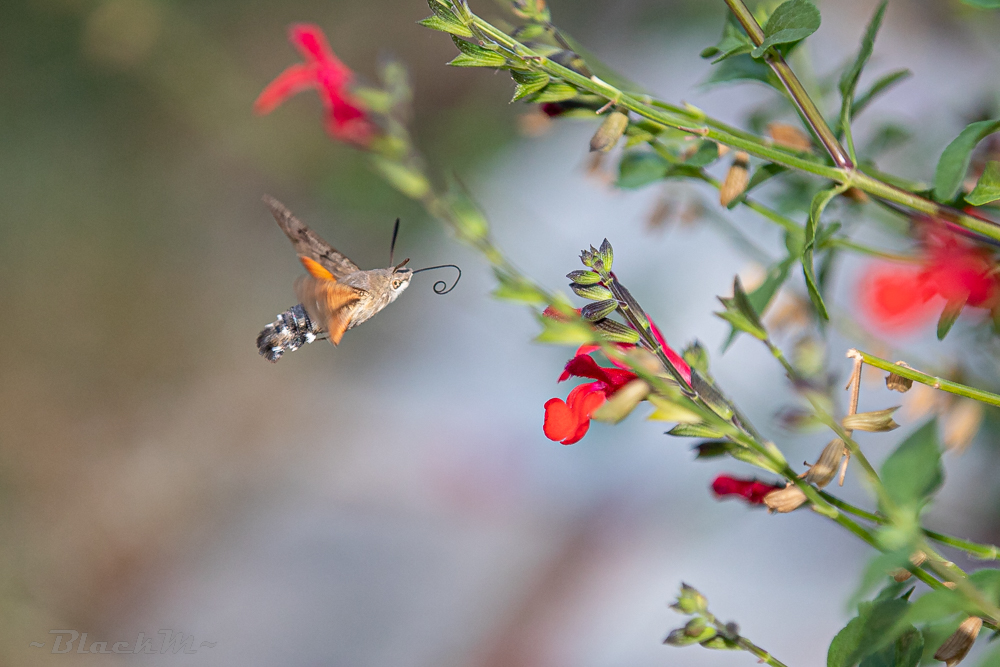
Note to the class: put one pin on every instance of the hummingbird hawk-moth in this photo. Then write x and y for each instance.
(337, 295)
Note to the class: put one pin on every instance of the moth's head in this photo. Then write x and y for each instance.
(399, 279)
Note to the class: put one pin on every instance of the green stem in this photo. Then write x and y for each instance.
(793, 227)
(975, 549)
(804, 104)
(761, 654)
(696, 122)
(930, 380)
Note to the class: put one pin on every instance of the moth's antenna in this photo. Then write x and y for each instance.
(441, 287)
(392, 246)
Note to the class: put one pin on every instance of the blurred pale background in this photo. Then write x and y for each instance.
(391, 501)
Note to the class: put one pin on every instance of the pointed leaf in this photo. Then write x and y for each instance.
(913, 472)
(949, 315)
(849, 80)
(881, 84)
(988, 187)
(528, 83)
(637, 169)
(791, 22)
(954, 161)
(436, 22)
(819, 203)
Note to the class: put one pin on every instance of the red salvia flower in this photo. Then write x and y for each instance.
(898, 298)
(568, 421)
(751, 490)
(346, 117)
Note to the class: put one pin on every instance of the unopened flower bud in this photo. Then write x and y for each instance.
(822, 472)
(584, 277)
(607, 254)
(789, 136)
(785, 500)
(956, 646)
(877, 421)
(616, 332)
(736, 179)
(610, 131)
(587, 257)
(595, 292)
(622, 402)
(598, 311)
(690, 601)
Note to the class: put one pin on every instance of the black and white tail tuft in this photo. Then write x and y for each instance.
(289, 332)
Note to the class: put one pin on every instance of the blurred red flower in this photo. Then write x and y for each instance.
(899, 298)
(346, 116)
(568, 421)
(750, 490)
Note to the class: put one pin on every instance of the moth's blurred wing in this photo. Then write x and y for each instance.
(328, 303)
(308, 243)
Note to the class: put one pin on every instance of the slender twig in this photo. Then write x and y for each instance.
(804, 104)
(930, 380)
(696, 122)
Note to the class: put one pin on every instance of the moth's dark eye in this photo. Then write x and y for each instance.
(395, 284)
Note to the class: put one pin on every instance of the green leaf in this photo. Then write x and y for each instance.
(913, 472)
(938, 605)
(791, 22)
(528, 83)
(949, 315)
(761, 297)
(407, 180)
(954, 161)
(849, 79)
(819, 203)
(637, 169)
(764, 173)
(707, 153)
(987, 581)
(881, 84)
(988, 187)
(982, 4)
(867, 632)
(473, 55)
(519, 289)
(555, 92)
(740, 312)
(564, 333)
(743, 68)
(734, 42)
(904, 652)
(436, 22)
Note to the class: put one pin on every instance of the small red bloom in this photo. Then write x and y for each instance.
(568, 421)
(750, 490)
(899, 298)
(346, 116)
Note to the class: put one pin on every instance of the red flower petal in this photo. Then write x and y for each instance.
(896, 298)
(584, 366)
(751, 490)
(292, 81)
(569, 421)
(560, 422)
(309, 39)
(674, 358)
